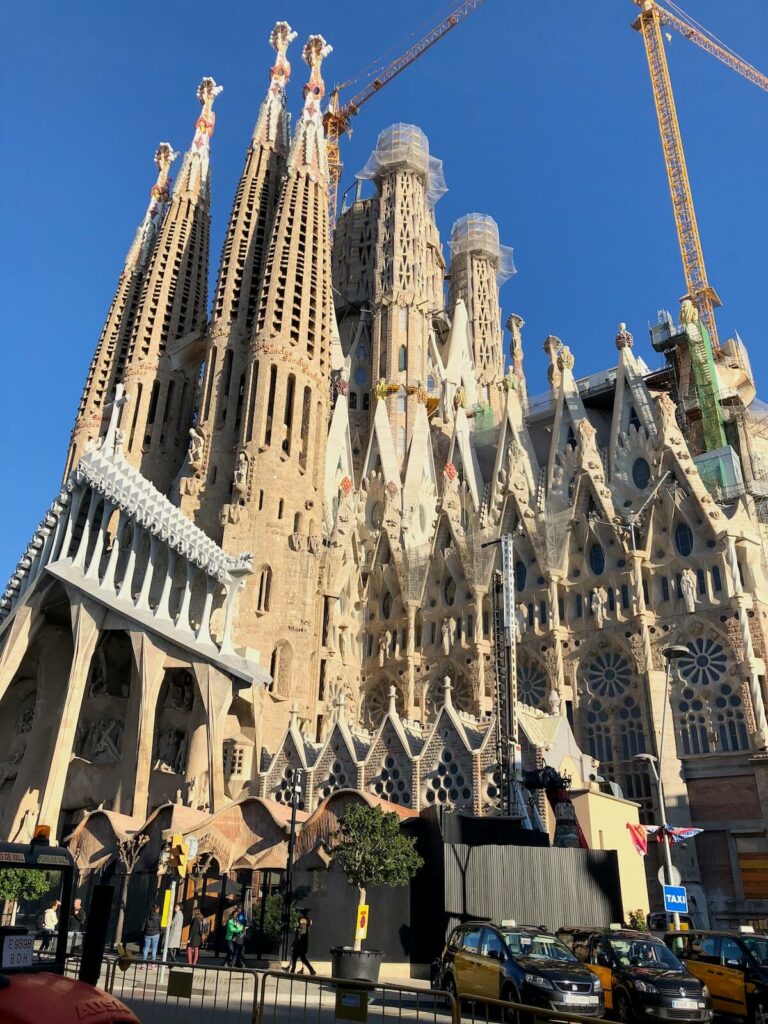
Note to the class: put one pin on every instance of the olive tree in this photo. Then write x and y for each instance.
(371, 850)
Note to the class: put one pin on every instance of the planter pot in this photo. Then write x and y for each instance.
(356, 964)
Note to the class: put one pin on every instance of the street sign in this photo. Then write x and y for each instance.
(676, 876)
(675, 899)
(166, 915)
(361, 928)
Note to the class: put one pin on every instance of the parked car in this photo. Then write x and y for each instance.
(733, 965)
(641, 977)
(521, 965)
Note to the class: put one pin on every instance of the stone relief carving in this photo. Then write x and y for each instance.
(180, 695)
(688, 589)
(172, 746)
(100, 742)
(196, 448)
(448, 633)
(597, 605)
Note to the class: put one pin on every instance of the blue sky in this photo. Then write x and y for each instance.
(540, 109)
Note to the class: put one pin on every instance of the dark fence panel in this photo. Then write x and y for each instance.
(554, 887)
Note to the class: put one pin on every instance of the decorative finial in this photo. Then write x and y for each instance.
(294, 714)
(565, 360)
(624, 339)
(392, 704)
(207, 92)
(164, 157)
(314, 53)
(447, 697)
(515, 325)
(552, 345)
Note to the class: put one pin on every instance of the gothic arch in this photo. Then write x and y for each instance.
(376, 701)
(281, 669)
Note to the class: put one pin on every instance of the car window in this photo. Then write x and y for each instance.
(470, 940)
(758, 948)
(731, 954)
(644, 953)
(542, 947)
(580, 947)
(710, 949)
(455, 940)
(491, 944)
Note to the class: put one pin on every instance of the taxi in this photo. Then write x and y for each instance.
(732, 964)
(519, 965)
(641, 977)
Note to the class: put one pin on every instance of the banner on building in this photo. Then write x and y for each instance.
(639, 838)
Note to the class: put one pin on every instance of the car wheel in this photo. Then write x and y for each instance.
(449, 985)
(623, 1008)
(759, 1013)
(508, 1015)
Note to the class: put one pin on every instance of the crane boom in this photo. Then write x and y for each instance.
(336, 119)
(727, 56)
(701, 292)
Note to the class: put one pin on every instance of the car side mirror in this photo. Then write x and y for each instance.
(733, 963)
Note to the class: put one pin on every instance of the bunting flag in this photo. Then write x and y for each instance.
(676, 834)
(639, 838)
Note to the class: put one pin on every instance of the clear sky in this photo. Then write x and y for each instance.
(540, 109)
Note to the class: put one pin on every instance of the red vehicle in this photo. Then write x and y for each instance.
(33, 986)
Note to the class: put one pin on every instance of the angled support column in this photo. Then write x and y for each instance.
(204, 630)
(92, 572)
(87, 618)
(163, 610)
(136, 772)
(182, 619)
(142, 601)
(130, 567)
(82, 547)
(108, 581)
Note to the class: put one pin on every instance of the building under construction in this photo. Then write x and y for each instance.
(273, 545)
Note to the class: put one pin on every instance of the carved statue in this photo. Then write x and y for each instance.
(448, 631)
(554, 701)
(565, 360)
(171, 752)
(343, 649)
(597, 602)
(196, 448)
(240, 484)
(689, 314)
(385, 639)
(97, 682)
(521, 618)
(100, 741)
(688, 589)
(180, 695)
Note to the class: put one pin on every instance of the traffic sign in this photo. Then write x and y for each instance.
(361, 930)
(675, 899)
(676, 876)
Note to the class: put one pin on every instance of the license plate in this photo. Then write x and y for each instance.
(18, 950)
(575, 999)
(685, 1004)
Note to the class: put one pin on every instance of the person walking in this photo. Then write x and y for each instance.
(174, 932)
(301, 942)
(195, 940)
(233, 931)
(152, 929)
(76, 926)
(50, 925)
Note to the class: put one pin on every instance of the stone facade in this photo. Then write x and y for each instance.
(289, 510)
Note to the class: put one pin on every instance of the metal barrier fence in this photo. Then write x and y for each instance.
(175, 993)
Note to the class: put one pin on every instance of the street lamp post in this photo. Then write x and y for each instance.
(296, 784)
(670, 654)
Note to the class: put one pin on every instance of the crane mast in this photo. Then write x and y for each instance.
(701, 292)
(336, 118)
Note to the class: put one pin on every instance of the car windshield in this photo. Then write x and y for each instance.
(758, 948)
(539, 947)
(644, 953)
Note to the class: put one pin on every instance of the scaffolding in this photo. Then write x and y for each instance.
(406, 147)
(479, 233)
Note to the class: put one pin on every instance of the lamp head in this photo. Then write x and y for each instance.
(675, 651)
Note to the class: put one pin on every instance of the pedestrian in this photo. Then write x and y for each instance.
(50, 925)
(301, 942)
(77, 917)
(152, 931)
(233, 930)
(195, 940)
(174, 932)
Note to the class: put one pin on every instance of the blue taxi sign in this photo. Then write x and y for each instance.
(675, 899)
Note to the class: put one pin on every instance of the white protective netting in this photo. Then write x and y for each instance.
(477, 232)
(406, 145)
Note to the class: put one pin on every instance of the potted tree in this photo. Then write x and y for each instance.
(371, 850)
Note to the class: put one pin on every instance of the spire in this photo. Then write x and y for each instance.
(194, 173)
(166, 345)
(272, 124)
(109, 357)
(237, 290)
(308, 152)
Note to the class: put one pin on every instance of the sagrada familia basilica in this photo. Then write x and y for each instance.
(271, 547)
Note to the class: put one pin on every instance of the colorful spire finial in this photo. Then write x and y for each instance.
(164, 157)
(207, 92)
(272, 123)
(314, 53)
(279, 39)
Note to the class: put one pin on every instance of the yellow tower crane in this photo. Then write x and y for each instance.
(649, 22)
(337, 118)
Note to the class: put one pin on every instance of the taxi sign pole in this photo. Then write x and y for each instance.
(171, 905)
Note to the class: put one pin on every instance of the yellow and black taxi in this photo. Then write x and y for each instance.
(520, 965)
(642, 979)
(732, 964)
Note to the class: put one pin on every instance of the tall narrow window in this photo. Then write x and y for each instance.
(352, 399)
(209, 384)
(252, 402)
(226, 380)
(717, 582)
(402, 359)
(136, 407)
(263, 589)
(288, 414)
(270, 405)
(306, 410)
